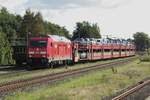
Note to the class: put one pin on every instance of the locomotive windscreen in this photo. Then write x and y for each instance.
(38, 43)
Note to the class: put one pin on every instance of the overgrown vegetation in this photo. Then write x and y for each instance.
(146, 57)
(34, 73)
(90, 87)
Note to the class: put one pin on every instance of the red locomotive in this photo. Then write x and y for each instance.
(49, 50)
(57, 49)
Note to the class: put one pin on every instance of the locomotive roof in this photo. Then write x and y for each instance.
(59, 38)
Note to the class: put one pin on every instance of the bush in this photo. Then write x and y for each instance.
(5, 50)
(145, 58)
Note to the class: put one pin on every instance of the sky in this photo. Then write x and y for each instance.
(116, 18)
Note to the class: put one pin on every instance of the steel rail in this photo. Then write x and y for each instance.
(132, 90)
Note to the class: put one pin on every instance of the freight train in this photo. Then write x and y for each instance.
(53, 49)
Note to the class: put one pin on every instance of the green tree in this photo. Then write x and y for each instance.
(8, 23)
(5, 50)
(65, 32)
(19, 21)
(141, 40)
(86, 30)
(38, 25)
(27, 23)
(54, 29)
(34, 23)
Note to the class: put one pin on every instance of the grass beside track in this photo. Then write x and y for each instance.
(92, 86)
(34, 73)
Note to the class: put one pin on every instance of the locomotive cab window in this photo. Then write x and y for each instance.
(38, 43)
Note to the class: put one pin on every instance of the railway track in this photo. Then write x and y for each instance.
(11, 69)
(9, 73)
(132, 90)
(14, 85)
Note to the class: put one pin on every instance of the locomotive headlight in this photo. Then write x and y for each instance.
(43, 52)
(31, 52)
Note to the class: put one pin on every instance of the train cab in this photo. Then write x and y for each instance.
(49, 49)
